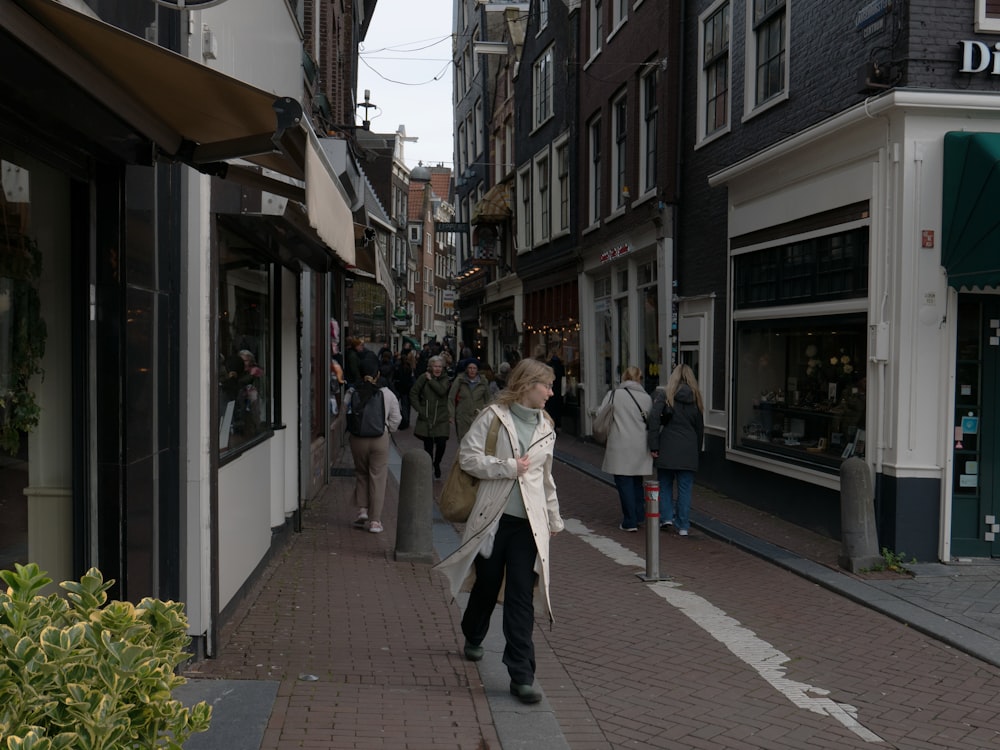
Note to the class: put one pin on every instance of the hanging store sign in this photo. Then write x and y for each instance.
(615, 252)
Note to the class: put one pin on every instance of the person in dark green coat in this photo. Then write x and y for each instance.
(469, 395)
(429, 396)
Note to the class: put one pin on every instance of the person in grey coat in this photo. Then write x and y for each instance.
(626, 456)
(675, 433)
(429, 396)
(469, 395)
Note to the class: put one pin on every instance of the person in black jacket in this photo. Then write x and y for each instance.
(675, 431)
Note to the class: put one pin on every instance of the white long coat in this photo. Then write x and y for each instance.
(497, 474)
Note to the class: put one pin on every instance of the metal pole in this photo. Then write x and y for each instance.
(651, 490)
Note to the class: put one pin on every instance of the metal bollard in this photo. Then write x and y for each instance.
(651, 490)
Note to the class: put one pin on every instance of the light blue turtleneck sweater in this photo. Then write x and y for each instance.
(525, 422)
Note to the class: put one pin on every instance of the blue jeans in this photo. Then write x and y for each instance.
(632, 500)
(677, 510)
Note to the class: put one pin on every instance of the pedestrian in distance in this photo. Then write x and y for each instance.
(505, 543)
(500, 381)
(429, 396)
(371, 451)
(676, 431)
(470, 394)
(626, 456)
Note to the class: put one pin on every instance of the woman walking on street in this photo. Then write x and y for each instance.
(676, 430)
(506, 539)
(371, 453)
(626, 456)
(429, 396)
(470, 393)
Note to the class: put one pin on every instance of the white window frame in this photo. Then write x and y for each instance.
(649, 114)
(985, 24)
(478, 120)
(594, 171)
(596, 27)
(703, 73)
(619, 150)
(543, 14)
(750, 74)
(524, 208)
(542, 88)
(541, 187)
(562, 186)
(619, 15)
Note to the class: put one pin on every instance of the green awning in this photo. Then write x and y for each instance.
(970, 221)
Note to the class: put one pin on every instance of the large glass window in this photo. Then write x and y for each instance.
(799, 388)
(649, 333)
(245, 345)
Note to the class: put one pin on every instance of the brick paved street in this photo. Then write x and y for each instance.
(731, 652)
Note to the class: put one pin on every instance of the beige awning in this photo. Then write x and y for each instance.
(194, 114)
(494, 208)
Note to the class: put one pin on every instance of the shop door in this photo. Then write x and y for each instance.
(975, 526)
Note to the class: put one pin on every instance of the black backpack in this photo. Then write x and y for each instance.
(365, 411)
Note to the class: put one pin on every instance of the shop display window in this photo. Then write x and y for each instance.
(800, 388)
(245, 348)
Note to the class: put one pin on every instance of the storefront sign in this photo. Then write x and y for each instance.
(978, 56)
(615, 252)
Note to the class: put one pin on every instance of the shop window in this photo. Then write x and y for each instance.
(245, 347)
(799, 388)
(649, 333)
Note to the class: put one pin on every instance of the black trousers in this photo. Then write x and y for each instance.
(514, 554)
(435, 448)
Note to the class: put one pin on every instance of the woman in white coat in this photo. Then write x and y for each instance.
(506, 539)
(626, 455)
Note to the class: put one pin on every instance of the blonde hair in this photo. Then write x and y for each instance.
(683, 374)
(632, 373)
(525, 374)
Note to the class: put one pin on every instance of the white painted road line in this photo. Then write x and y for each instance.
(762, 656)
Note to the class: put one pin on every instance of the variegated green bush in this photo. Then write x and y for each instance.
(81, 673)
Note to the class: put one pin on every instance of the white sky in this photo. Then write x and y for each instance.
(408, 46)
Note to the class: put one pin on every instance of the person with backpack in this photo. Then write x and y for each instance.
(469, 395)
(429, 396)
(372, 413)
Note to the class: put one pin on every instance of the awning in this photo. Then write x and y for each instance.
(970, 221)
(194, 114)
(494, 208)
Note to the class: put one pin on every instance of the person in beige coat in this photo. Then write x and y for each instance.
(506, 539)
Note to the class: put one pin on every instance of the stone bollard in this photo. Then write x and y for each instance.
(414, 520)
(859, 538)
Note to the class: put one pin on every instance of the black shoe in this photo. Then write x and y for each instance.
(525, 693)
(437, 471)
(473, 653)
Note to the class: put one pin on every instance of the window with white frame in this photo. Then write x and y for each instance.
(475, 57)
(478, 124)
(542, 81)
(649, 107)
(987, 16)
(620, 10)
(768, 50)
(713, 86)
(470, 70)
(594, 170)
(562, 187)
(524, 214)
(619, 157)
(470, 136)
(596, 26)
(543, 14)
(543, 205)
(463, 154)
